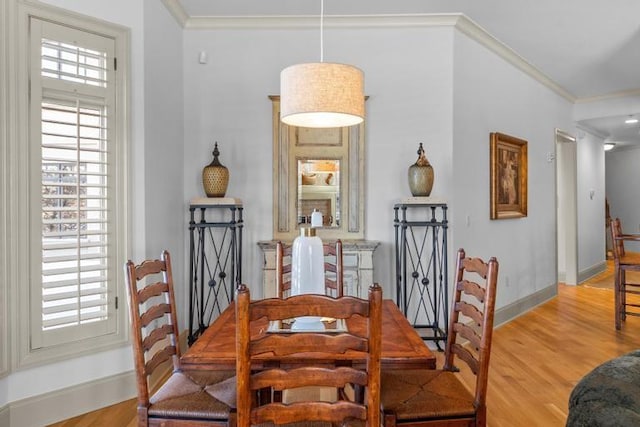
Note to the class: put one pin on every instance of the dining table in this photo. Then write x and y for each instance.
(402, 347)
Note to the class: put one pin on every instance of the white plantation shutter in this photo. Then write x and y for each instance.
(73, 63)
(74, 214)
(72, 110)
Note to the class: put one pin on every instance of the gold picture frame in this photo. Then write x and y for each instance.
(508, 176)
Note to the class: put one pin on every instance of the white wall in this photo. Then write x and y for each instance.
(623, 191)
(591, 209)
(491, 95)
(620, 166)
(162, 162)
(407, 77)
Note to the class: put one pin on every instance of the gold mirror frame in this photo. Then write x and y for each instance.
(287, 152)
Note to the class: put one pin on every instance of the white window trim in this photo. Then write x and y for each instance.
(18, 177)
(4, 138)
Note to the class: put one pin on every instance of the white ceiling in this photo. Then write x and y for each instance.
(591, 48)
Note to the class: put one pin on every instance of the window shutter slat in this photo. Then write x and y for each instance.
(59, 284)
(56, 322)
(66, 295)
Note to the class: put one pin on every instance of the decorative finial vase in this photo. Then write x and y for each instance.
(215, 176)
(421, 175)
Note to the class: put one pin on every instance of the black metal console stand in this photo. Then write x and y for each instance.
(421, 266)
(215, 249)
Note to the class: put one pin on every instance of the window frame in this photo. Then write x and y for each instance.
(4, 164)
(19, 172)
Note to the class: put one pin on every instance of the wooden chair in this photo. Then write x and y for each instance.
(438, 397)
(333, 269)
(187, 397)
(623, 263)
(252, 411)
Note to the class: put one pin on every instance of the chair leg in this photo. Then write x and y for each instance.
(622, 299)
(481, 417)
(623, 296)
(389, 419)
(143, 420)
(616, 296)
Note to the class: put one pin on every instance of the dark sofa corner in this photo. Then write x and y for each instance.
(609, 395)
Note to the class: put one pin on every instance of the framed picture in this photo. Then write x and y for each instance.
(508, 176)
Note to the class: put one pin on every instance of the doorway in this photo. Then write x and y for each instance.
(566, 208)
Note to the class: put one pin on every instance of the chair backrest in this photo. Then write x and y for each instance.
(472, 319)
(333, 268)
(153, 319)
(617, 243)
(249, 411)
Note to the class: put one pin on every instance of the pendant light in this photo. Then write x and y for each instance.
(321, 94)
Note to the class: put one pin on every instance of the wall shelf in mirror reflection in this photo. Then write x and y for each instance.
(319, 188)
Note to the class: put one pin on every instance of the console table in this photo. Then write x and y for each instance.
(357, 259)
(215, 248)
(421, 265)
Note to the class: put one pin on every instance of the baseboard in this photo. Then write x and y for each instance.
(72, 401)
(592, 271)
(517, 308)
(4, 416)
(69, 402)
(587, 274)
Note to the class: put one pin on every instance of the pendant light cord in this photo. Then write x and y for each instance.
(321, 30)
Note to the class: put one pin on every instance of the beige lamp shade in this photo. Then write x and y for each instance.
(321, 95)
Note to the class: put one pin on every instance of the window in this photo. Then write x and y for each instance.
(77, 210)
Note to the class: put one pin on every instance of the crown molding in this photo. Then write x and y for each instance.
(585, 128)
(456, 20)
(468, 27)
(177, 11)
(307, 21)
(613, 95)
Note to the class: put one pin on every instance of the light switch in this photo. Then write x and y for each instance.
(550, 156)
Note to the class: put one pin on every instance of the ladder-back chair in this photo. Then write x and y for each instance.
(186, 399)
(624, 289)
(251, 410)
(423, 397)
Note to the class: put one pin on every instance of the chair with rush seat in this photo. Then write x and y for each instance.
(251, 410)
(186, 399)
(624, 262)
(423, 397)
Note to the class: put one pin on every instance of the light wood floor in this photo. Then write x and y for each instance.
(535, 362)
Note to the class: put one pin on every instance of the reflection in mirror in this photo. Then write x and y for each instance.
(319, 188)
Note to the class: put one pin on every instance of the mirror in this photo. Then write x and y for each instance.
(319, 188)
(317, 168)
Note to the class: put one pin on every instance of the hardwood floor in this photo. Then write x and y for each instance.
(536, 360)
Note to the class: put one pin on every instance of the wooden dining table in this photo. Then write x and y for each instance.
(402, 347)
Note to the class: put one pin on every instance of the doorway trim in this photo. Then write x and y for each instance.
(566, 207)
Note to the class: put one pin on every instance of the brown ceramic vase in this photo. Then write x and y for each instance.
(215, 176)
(421, 175)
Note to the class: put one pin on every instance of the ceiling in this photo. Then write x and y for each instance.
(591, 48)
